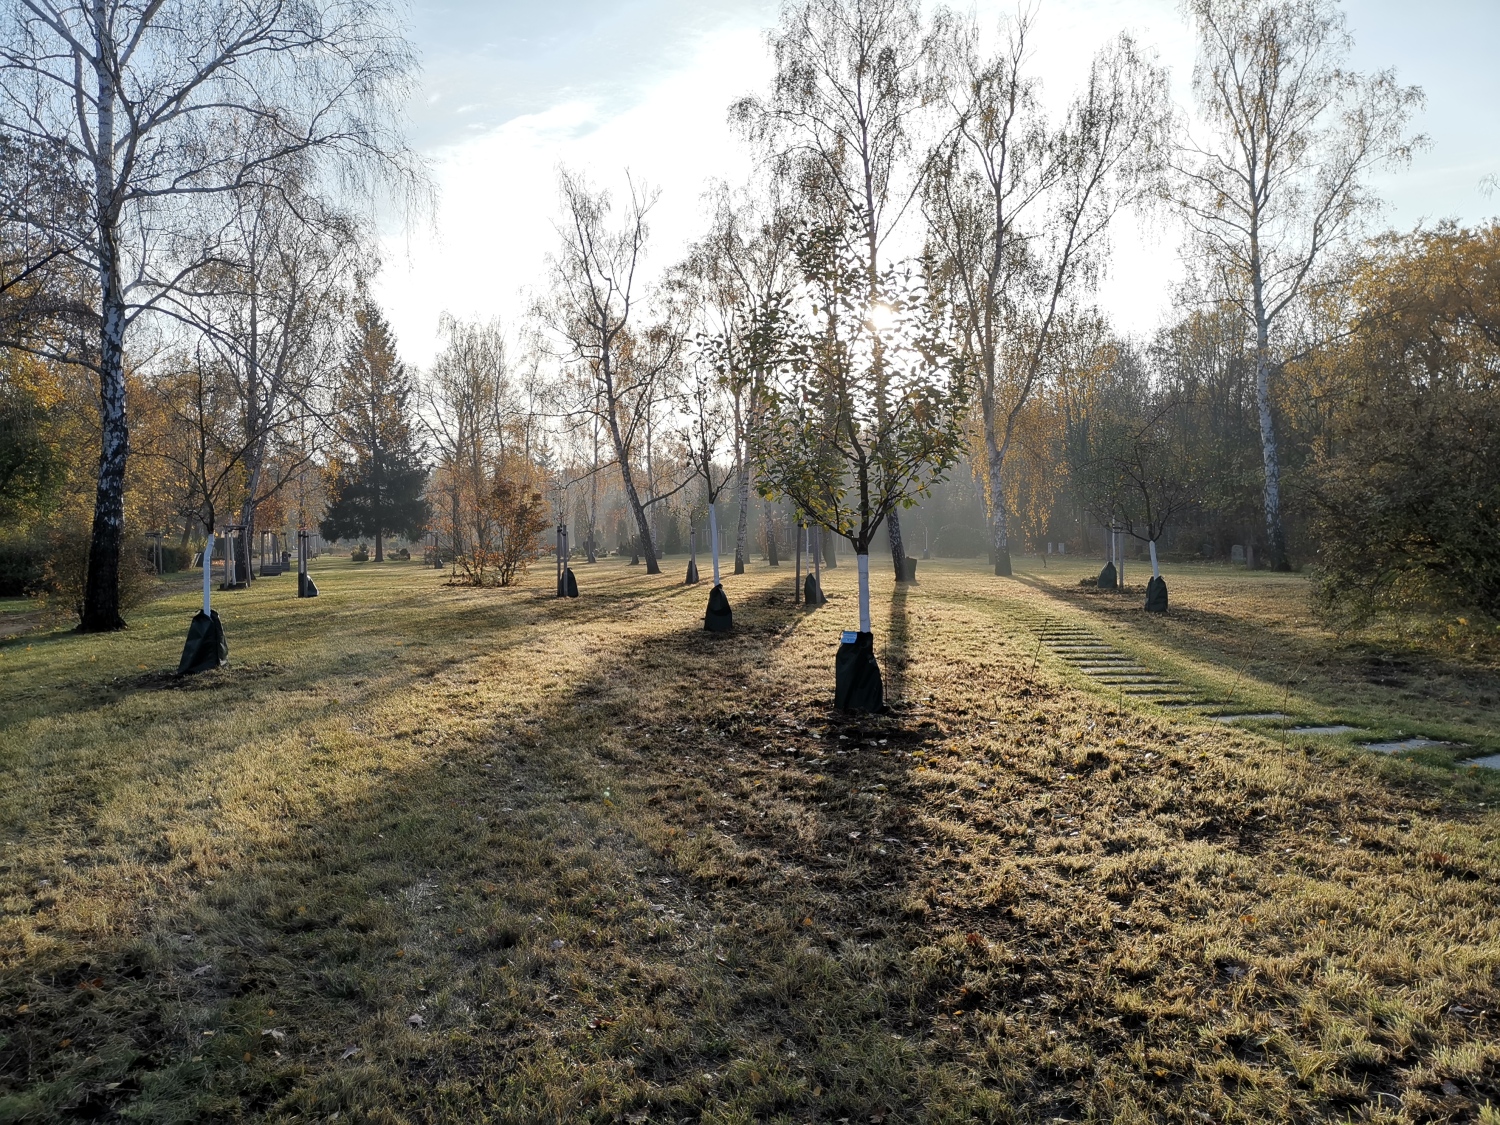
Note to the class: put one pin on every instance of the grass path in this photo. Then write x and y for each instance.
(426, 854)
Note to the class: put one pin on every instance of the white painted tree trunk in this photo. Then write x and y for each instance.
(863, 562)
(208, 573)
(713, 533)
(1155, 570)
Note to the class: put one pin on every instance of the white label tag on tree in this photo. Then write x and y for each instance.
(850, 636)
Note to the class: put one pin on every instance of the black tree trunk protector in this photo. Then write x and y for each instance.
(692, 573)
(570, 584)
(306, 588)
(1107, 579)
(857, 684)
(1002, 564)
(812, 593)
(719, 618)
(1156, 595)
(206, 648)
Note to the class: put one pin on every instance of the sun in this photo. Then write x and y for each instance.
(880, 316)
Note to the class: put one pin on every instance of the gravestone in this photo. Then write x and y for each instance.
(1237, 554)
(812, 593)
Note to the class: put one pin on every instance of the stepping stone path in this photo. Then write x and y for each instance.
(1402, 744)
(1108, 667)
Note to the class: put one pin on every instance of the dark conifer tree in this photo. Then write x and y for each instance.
(378, 476)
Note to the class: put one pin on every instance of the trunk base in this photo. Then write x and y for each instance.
(857, 683)
(206, 648)
(1156, 596)
(1107, 577)
(305, 586)
(1002, 564)
(812, 593)
(692, 573)
(719, 618)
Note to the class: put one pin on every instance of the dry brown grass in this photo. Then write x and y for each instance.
(425, 854)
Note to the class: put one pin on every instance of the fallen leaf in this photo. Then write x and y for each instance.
(201, 970)
(415, 1021)
(274, 1033)
(349, 1053)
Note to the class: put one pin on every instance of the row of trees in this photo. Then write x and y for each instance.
(905, 287)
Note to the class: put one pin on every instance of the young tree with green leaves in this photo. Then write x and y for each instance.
(853, 78)
(863, 413)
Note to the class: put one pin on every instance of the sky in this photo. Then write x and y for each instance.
(511, 90)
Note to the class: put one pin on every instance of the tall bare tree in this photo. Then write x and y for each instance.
(1019, 208)
(598, 304)
(1279, 175)
(271, 310)
(746, 259)
(472, 413)
(852, 76)
(156, 104)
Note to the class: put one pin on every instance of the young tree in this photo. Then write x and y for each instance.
(377, 475)
(851, 78)
(595, 313)
(472, 417)
(864, 411)
(1279, 178)
(155, 104)
(1019, 209)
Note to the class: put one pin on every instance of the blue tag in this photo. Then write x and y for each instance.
(850, 636)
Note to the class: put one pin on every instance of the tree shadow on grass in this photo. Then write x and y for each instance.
(653, 875)
(484, 919)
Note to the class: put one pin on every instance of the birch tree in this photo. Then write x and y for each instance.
(598, 303)
(745, 261)
(848, 447)
(154, 105)
(271, 311)
(1278, 175)
(852, 76)
(1019, 210)
(471, 412)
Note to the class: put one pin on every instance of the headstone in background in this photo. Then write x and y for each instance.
(1237, 553)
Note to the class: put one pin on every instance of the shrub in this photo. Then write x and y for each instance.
(52, 565)
(360, 553)
(23, 560)
(403, 554)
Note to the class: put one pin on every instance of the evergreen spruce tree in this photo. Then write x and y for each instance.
(378, 475)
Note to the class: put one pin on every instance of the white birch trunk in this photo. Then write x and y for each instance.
(863, 562)
(713, 532)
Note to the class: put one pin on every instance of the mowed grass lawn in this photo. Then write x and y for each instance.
(432, 854)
